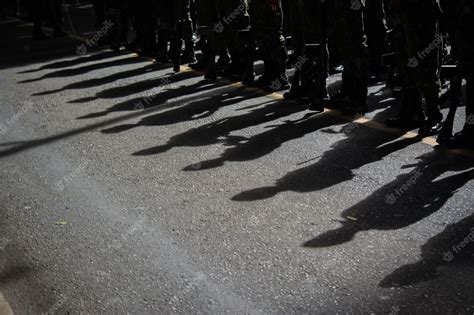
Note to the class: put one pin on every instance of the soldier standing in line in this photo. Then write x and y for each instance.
(99, 10)
(267, 25)
(174, 26)
(352, 44)
(42, 10)
(410, 113)
(419, 44)
(459, 15)
(233, 25)
(296, 29)
(147, 21)
(308, 26)
(376, 33)
(206, 20)
(189, 55)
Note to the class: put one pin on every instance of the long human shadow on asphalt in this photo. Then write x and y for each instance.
(167, 92)
(452, 247)
(264, 143)
(361, 147)
(107, 79)
(203, 108)
(211, 133)
(167, 81)
(85, 69)
(77, 61)
(408, 199)
(24, 145)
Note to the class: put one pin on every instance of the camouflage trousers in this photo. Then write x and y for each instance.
(418, 49)
(267, 27)
(352, 43)
(463, 34)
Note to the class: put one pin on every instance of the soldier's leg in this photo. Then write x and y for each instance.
(355, 57)
(235, 67)
(470, 103)
(424, 43)
(410, 113)
(351, 41)
(464, 35)
(248, 54)
(99, 10)
(376, 32)
(279, 58)
(296, 29)
(35, 9)
(188, 33)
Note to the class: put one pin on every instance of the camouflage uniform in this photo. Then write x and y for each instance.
(175, 25)
(376, 29)
(147, 20)
(352, 44)
(267, 25)
(419, 62)
(233, 26)
(459, 15)
(206, 19)
(206, 13)
(411, 104)
(307, 18)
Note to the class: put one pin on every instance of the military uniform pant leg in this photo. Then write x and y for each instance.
(352, 43)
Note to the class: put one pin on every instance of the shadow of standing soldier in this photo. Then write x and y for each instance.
(410, 198)
(454, 245)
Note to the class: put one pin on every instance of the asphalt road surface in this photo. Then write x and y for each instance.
(126, 188)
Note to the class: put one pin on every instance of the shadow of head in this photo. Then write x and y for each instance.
(12, 274)
(335, 237)
(257, 194)
(452, 247)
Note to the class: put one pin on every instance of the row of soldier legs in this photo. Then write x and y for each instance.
(239, 32)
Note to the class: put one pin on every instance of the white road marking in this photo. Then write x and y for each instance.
(5, 308)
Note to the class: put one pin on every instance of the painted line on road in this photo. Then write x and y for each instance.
(365, 121)
(5, 308)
